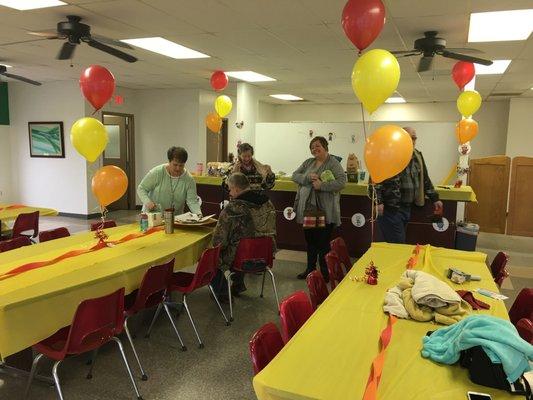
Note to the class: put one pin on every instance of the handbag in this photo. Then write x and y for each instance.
(314, 217)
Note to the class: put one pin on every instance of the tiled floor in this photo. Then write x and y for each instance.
(221, 370)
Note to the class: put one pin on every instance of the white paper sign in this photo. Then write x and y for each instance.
(358, 220)
(289, 213)
(441, 226)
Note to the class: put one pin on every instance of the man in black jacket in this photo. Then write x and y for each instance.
(396, 195)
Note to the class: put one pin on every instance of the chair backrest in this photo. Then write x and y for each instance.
(525, 329)
(107, 224)
(206, 268)
(294, 311)
(95, 322)
(52, 234)
(338, 245)
(254, 249)
(153, 286)
(522, 306)
(26, 222)
(334, 268)
(318, 289)
(265, 344)
(13, 244)
(497, 268)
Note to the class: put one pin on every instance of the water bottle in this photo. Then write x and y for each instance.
(144, 222)
(169, 220)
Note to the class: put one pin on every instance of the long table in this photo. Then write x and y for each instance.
(331, 355)
(354, 200)
(37, 303)
(10, 212)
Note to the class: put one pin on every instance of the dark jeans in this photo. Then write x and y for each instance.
(318, 246)
(220, 284)
(393, 223)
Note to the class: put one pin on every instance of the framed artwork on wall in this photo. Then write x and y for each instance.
(46, 139)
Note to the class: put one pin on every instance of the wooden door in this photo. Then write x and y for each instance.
(520, 195)
(217, 143)
(489, 177)
(119, 152)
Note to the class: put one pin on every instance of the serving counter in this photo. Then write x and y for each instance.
(355, 214)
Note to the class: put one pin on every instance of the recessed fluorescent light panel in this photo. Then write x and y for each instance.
(497, 67)
(393, 100)
(288, 97)
(31, 4)
(249, 76)
(165, 47)
(499, 26)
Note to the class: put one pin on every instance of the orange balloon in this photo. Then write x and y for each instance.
(213, 122)
(109, 184)
(387, 152)
(466, 130)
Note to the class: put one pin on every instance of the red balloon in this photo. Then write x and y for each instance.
(362, 21)
(462, 73)
(97, 85)
(219, 80)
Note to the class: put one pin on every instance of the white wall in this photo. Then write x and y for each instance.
(520, 129)
(5, 165)
(58, 183)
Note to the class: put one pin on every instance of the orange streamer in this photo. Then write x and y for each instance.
(74, 253)
(12, 207)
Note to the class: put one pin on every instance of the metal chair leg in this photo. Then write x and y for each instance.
(183, 347)
(263, 284)
(274, 286)
(93, 361)
(32, 374)
(229, 280)
(56, 379)
(200, 344)
(144, 377)
(121, 348)
(219, 306)
(157, 311)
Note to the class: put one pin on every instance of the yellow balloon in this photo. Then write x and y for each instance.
(375, 77)
(223, 105)
(89, 138)
(468, 103)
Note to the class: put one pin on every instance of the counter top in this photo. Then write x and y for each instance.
(285, 184)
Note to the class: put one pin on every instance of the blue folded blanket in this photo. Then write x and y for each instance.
(498, 337)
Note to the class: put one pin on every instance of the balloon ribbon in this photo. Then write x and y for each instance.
(74, 253)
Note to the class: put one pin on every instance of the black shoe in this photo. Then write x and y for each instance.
(304, 274)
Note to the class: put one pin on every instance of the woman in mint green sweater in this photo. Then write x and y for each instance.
(170, 185)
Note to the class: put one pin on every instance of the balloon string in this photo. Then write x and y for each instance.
(373, 217)
(103, 217)
(364, 123)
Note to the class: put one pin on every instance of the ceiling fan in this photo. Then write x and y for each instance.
(431, 45)
(3, 72)
(75, 32)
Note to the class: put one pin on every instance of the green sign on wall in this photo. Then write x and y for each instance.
(4, 104)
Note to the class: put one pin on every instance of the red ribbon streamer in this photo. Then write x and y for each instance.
(74, 253)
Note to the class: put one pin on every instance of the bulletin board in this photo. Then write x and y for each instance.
(285, 146)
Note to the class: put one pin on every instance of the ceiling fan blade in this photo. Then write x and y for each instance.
(400, 52)
(464, 50)
(111, 42)
(110, 50)
(66, 52)
(425, 64)
(48, 34)
(21, 78)
(407, 55)
(464, 57)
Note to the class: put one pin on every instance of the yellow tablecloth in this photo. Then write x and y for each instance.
(35, 304)
(284, 184)
(8, 215)
(330, 356)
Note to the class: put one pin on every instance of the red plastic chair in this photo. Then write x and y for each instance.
(53, 234)
(497, 268)
(336, 274)
(186, 283)
(96, 322)
(265, 344)
(13, 244)
(295, 310)
(525, 329)
(338, 245)
(318, 289)
(522, 306)
(258, 251)
(26, 222)
(107, 224)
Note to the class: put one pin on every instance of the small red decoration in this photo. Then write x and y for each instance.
(119, 100)
(371, 274)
